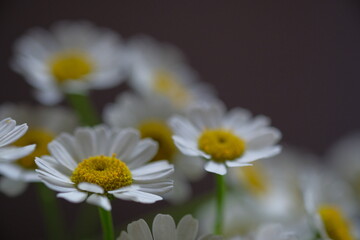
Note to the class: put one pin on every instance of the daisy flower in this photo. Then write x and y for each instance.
(150, 116)
(272, 187)
(99, 163)
(10, 133)
(224, 139)
(72, 57)
(332, 214)
(164, 227)
(160, 69)
(344, 157)
(44, 124)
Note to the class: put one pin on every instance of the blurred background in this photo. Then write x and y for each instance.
(297, 62)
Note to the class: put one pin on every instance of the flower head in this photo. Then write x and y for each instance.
(44, 124)
(332, 213)
(150, 115)
(72, 57)
(160, 69)
(97, 163)
(10, 133)
(224, 140)
(164, 227)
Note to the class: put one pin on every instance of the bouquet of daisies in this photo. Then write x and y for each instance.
(166, 131)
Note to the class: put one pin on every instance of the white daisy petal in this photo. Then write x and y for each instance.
(90, 187)
(7, 125)
(187, 228)
(183, 128)
(187, 148)
(74, 196)
(237, 164)
(250, 156)
(87, 142)
(139, 230)
(263, 138)
(11, 153)
(61, 154)
(236, 117)
(144, 152)
(214, 167)
(124, 143)
(100, 201)
(15, 133)
(139, 196)
(157, 188)
(164, 227)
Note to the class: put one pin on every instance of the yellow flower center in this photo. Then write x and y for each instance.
(109, 173)
(160, 132)
(70, 66)
(41, 138)
(221, 144)
(167, 85)
(254, 179)
(336, 225)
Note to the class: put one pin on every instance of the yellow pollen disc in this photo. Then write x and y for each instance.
(108, 172)
(70, 66)
(161, 133)
(254, 178)
(167, 85)
(39, 137)
(221, 144)
(336, 225)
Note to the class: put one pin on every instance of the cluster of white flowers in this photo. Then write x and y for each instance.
(168, 130)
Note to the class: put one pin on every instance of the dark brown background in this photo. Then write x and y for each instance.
(296, 61)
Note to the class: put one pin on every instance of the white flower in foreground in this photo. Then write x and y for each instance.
(150, 116)
(330, 205)
(160, 69)
(44, 124)
(97, 163)
(72, 57)
(164, 227)
(224, 139)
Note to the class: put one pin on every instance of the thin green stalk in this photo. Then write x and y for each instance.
(52, 216)
(85, 110)
(107, 224)
(220, 204)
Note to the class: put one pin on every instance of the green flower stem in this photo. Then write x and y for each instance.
(220, 204)
(82, 105)
(107, 224)
(52, 216)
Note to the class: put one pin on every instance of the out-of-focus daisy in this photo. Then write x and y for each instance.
(160, 69)
(72, 57)
(344, 157)
(44, 124)
(97, 163)
(330, 205)
(150, 115)
(272, 187)
(164, 227)
(224, 139)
